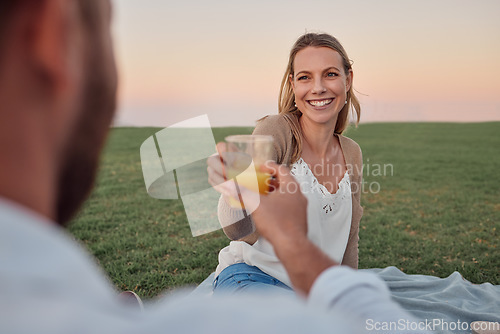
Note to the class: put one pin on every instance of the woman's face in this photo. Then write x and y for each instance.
(320, 84)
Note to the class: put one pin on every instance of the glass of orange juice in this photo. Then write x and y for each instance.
(246, 153)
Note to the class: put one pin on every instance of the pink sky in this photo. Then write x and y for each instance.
(413, 61)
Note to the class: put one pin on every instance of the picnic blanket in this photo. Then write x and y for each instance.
(450, 303)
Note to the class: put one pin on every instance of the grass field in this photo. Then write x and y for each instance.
(431, 206)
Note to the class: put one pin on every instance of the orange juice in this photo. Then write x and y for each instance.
(248, 179)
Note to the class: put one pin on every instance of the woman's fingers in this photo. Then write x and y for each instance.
(216, 166)
(215, 169)
(221, 147)
(217, 172)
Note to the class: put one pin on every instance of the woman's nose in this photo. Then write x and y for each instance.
(318, 87)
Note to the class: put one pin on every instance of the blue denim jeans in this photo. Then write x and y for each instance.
(241, 277)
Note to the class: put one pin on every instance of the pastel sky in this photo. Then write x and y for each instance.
(426, 60)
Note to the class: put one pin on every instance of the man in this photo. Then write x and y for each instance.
(57, 99)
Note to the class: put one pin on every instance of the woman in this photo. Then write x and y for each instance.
(315, 99)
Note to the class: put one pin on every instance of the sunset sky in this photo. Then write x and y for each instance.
(426, 60)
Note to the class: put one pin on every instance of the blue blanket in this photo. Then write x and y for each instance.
(450, 303)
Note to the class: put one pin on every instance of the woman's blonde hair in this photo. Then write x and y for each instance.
(286, 102)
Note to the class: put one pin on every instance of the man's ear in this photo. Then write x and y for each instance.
(49, 38)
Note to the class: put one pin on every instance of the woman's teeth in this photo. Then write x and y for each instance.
(320, 103)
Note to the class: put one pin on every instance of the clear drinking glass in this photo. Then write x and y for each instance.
(245, 155)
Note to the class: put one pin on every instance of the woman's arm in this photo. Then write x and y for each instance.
(351, 257)
(354, 161)
(236, 223)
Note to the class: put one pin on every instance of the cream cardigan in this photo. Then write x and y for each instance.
(278, 127)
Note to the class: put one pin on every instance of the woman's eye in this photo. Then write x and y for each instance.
(332, 74)
(302, 77)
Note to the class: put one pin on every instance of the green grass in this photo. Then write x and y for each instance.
(436, 211)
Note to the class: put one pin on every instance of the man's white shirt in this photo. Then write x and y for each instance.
(50, 284)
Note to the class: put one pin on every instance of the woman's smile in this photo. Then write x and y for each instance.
(320, 103)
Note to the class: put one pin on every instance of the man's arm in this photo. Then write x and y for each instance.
(304, 262)
(281, 218)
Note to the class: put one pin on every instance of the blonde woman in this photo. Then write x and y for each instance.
(314, 104)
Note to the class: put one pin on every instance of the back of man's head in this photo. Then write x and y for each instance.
(57, 99)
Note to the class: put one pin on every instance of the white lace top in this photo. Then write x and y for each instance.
(329, 222)
(328, 215)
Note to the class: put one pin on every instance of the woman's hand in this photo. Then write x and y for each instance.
(217, 173)
(217, 177)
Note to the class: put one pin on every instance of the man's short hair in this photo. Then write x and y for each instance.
(7, 8)
(88, 8)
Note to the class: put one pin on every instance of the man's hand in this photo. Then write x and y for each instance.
(281, 218)
(281, 215)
